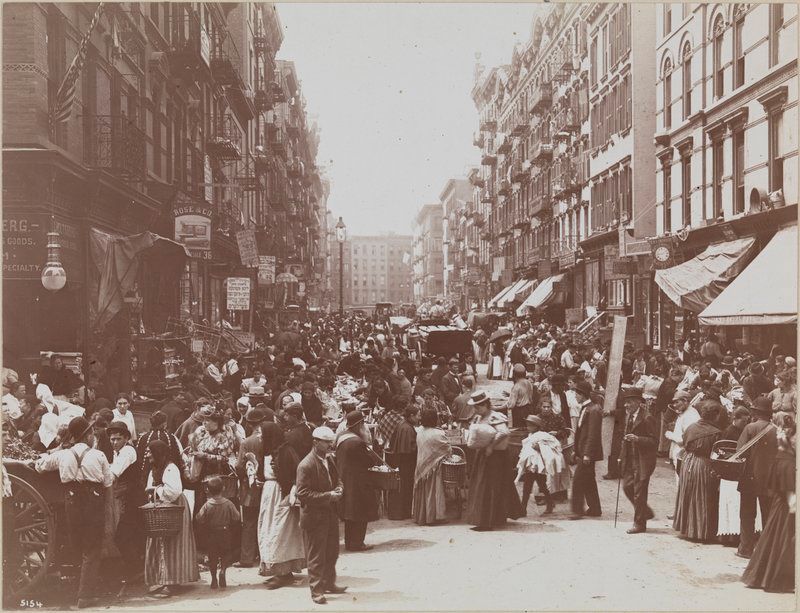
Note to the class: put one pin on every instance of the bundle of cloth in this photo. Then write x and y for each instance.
(541, 453)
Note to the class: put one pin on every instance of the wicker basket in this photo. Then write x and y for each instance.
(162, 519)
(722, 465)
(455, 437)
(384, 480)
(454, 472)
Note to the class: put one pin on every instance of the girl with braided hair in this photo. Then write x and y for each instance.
(280, 541)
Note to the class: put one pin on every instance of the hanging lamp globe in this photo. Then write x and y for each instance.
(54, 277)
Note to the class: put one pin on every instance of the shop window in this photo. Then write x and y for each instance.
(774, 120)
(618, 293)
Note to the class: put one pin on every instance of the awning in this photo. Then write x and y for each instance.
(526, 289)
(695, 284)
(500, 294)
(765, 293)
(509, 296)
(545, 293)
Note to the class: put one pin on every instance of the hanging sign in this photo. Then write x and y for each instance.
(266, 269)
(238, 293)
(248, 249)
(193, 227)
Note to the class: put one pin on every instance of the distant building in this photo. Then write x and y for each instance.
(459, 241)
(428, 258)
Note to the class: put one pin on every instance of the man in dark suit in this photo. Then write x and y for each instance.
(250, 494)
(319, 489)
(450, 386)
(298, 432)
(753, 485)
(588, 450)
(359, 503)
(638, 457)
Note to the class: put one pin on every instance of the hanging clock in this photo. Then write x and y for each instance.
(662, 254)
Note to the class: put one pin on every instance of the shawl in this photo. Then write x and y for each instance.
(48, 430)
(221, 443)
(388, 423)
(432, 448)
(700, 436)
(404, 438)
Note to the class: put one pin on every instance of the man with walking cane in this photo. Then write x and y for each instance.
(638, 457)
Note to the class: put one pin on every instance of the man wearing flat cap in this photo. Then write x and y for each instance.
(319, 490)
(638, 457)
(353, 459)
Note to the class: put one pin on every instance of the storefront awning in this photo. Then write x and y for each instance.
(500, 294)
(509, 296)
(545, 293)
(695, 284)
(525, 290)
(765, 292)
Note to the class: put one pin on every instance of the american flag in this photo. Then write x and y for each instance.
(62, 109)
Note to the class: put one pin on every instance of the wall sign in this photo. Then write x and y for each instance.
(248, 249)
(25, 245)
(266, 269)
(193, 228)
(238, 293)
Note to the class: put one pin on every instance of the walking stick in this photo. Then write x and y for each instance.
(619, 484)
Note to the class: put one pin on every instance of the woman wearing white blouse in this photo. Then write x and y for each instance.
(169, 560)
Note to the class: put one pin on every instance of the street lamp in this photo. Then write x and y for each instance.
(341, 235)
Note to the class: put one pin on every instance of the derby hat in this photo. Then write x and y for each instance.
(630, 391)
(255, 416)
(584, 388)
(354, 418)
(119, 426)
(478, 398)
(78, 428)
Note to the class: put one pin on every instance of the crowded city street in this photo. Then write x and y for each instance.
(399, 306)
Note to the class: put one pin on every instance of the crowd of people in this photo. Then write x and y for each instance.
(267, 453)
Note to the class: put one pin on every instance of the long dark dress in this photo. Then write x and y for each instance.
(697, 504)
(771, 566)
(402, 454)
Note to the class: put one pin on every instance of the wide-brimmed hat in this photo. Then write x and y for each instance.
(78, 427)
(727, 361)
(630, 391)
(584, 388)
(119, 426)
(255, 416)
(478, 398)
(762, 405)
(354, 418)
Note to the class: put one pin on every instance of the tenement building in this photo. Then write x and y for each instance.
(427, 257)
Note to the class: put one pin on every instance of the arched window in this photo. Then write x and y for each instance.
(668, 93)
(687, 80)
(719, 83)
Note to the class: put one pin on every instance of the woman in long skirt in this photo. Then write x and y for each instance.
(432, 447)
(696, 507)
(492, 498)
(169, 560)
(402, 455)
(280, 541)
(728, 528)
(771, 566)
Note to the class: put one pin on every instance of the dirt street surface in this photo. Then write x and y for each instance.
(535, 563)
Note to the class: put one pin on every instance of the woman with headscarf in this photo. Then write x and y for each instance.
(771, 566)
(169, 560)
(697, 503)
(280, 541)
(312, 406)
(46, 436)
(158, 432)
(213, 450)
(432, 447)
(401, 453)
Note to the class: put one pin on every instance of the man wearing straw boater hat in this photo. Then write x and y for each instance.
(86, 474)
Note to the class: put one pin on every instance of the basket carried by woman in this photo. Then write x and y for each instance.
(384, 478)
(725, 462)
(454, 468)
(162, 519)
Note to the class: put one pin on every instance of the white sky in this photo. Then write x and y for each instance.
(390, 86)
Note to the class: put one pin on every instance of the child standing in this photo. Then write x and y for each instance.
(218, 520)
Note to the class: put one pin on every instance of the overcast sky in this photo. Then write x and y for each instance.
(390, 86)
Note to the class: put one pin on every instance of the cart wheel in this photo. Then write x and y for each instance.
(33, 544)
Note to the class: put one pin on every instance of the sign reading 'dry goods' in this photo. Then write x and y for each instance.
(248, 249)
(266, 269)
(238, 294)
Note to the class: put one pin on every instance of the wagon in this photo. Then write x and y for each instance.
(34, 531)
(443, 340)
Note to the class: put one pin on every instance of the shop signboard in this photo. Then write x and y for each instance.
(614, 377)
(25, 245)
(248, 249)
(266, 269)
(238, 293)
(193, 228)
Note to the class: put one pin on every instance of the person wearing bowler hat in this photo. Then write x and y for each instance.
(85, 473)
(756, 383)
(638, 456)
(588, 449)
(450, 384)
(359, 503)
(319, 490)
(492, 497)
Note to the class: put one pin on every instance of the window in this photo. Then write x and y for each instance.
(667, 175)
(719, 75)
(774, 120)
(686, 8)
(717, 169)
(687, 80)
(667, 19)
(668, 94)
(775, 25)
(593, 63)
(686, 189)
(738, 53)
(618, 292)
(738, 170)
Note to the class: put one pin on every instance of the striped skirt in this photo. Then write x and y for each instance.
(172, 560)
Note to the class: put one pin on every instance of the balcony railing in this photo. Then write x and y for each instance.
(543, 153)
(115, 144)
(487, 197)
(488, 158)
(477, 140)
(489, 124)
(566, 122)
(189, 45)
(504, 188)
(226, 142)
(540, 205)
(520, 172)
(225, 60)
(564, 246)
(520, 123)
(541, 97)
(504, 144)
(277, 141)
(565, 177)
